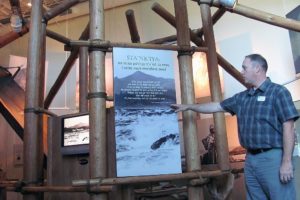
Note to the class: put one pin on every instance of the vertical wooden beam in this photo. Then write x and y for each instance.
(97, 100)
(188, 96)
(83, 79)
(42, 127)
(215, 87)
(33, 166)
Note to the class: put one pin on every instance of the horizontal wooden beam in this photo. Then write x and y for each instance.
(107, 45)
(148, 179)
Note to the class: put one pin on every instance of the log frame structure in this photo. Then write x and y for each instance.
(99, 184)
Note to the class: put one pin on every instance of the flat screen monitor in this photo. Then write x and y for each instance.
(75, 134)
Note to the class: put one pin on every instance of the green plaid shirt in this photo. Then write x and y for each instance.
(261, 114)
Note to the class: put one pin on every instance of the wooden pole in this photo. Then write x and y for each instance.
(37, 189)
(135, 37)
(149, 179)
(97, 102)
(216, 16)
(61, 7)
(259, 15)
(83, 79)
(58, 37)
(215, 88)
(188, 96)
(43, 117)
(198, 41)
(33, 167)
(65, 71)
(268, 18)
(12, 36)
(107, 46)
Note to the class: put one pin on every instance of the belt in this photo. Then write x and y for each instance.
(257, 151)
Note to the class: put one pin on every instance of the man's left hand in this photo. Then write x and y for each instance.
(286, 172)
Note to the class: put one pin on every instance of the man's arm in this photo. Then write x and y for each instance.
(201, 108)
(286, 169)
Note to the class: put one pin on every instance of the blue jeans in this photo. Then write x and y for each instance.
(262, 177)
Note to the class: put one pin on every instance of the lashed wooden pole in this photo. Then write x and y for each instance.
(33, 165)
(215, 87)
(97, 98)
(188, 96)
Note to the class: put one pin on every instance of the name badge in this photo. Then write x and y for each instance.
(261, 98)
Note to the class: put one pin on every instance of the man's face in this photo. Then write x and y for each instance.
(248, 71)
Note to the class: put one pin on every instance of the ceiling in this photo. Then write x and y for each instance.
(5, 7)
(6, 11)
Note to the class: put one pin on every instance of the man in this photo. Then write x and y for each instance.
(265, 114)
(209, 144)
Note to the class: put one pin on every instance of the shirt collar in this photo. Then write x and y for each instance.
(261, 88)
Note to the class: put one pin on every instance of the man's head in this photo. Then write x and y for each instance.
(254, 69)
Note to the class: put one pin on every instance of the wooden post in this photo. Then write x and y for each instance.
(97, 98)
(33, 166)
(215, 87)
(83, 79)
(187, 96)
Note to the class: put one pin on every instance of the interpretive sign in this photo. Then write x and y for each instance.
(147, 132)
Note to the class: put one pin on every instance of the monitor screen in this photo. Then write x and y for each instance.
(75, 133)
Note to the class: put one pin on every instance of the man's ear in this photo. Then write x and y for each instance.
(257, 68)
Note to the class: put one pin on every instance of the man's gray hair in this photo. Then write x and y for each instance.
(259, 59)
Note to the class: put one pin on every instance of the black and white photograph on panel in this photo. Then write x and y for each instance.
(146, 128)
(76, 130)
